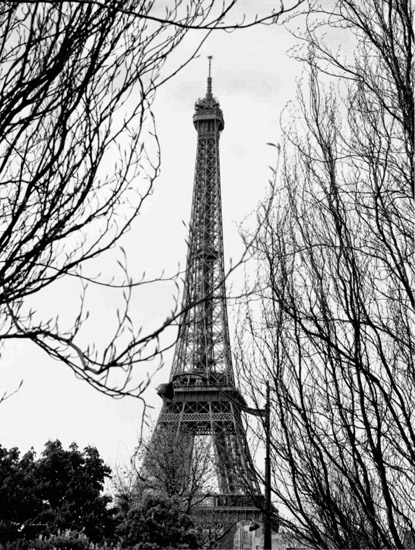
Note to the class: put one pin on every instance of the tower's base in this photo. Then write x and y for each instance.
(220, 514)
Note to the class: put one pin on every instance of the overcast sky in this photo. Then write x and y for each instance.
(253, 78)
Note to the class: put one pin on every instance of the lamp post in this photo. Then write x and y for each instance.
(166, 390)
(267, 515)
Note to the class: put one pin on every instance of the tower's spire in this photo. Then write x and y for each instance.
(209, 80)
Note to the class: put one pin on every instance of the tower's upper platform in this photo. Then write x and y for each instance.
(208, 108)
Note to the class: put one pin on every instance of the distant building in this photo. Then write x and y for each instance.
(254, 540)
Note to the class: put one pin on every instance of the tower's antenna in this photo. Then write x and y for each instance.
(209, 80)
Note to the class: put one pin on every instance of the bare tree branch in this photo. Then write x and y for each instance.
(333, 324)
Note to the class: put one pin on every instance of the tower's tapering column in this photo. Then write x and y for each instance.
(203, 344)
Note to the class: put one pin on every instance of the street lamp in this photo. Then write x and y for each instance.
(166, 391)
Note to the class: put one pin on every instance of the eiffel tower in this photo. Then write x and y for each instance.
(204, 398)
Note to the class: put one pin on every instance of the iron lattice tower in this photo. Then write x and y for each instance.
(205, 395)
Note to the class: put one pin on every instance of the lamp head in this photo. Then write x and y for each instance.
(166, 391)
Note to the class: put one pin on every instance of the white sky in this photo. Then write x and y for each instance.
(253, 78)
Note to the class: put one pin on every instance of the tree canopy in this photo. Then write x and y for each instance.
(60, 490)
(158, 521)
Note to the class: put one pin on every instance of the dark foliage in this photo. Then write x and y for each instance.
(59, 491)
(67, 541)
(158, 522)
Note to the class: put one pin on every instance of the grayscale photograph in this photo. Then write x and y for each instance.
(207, 269)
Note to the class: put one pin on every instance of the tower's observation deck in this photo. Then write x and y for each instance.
(208, 109)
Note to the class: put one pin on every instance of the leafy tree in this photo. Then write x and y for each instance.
(71, 483)
(335, 331)
(169, 478)
(59, 491)
(158, 522)
(19, 501)
(69, 540)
